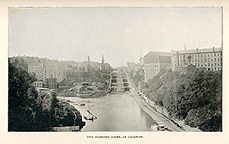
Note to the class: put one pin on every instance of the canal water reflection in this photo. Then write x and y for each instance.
(114, 112)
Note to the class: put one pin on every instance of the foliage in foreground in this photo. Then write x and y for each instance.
(30, 111)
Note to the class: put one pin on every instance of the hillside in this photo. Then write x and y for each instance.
(195, 97)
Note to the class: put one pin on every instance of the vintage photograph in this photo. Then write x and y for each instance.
(115, 69)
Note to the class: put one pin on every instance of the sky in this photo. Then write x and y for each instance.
(121, 34)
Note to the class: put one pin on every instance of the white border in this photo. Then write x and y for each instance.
(73, 138)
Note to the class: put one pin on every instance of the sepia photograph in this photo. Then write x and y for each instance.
(115, 69)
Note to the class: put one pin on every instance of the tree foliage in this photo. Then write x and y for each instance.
(195, 97)
(30, 111)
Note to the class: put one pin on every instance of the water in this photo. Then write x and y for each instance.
(114, 112)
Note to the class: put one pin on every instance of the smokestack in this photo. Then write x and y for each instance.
(102, 59)
(88, 64)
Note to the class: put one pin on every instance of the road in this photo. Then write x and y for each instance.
(159, 118)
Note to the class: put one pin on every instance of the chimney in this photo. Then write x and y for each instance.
(102, 59)
(213, 49)
(196, 50)
(177, 58)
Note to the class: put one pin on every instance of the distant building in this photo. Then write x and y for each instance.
(51, 83)
(209, 58)
(71, 74)
(185, 68)
(38, 84)
(54, 70)
(104, 66)
(37, 69)
(141, 62)
(155, 62)
(102, 59)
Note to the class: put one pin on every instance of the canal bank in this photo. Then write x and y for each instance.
(159, 118)
(116, 112)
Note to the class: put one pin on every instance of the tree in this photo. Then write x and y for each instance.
(21, 99)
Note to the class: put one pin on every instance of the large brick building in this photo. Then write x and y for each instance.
(43, 71)
(208, 58)
(54, 70)
(37, 69)
(155, 62)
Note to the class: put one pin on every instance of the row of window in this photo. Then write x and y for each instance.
(215, 69)
(205, 59)
(202, 55)
(151, 66)
(203, 64)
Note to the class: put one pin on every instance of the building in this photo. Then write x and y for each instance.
(105, 67)
(38, 84)
(208, 58)
(54, 70)
(141, 62)
(47, 70)
(71, 74)
(37, 69)
(185, 68)
(155, 62)
(51, 83)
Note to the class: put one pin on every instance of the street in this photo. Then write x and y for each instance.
(159, 118)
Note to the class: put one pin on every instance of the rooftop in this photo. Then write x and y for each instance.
(157, 57)
(205, 50)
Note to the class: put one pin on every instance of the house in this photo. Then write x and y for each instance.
(185, 68)
(38, 84)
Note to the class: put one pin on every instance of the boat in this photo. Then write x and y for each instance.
(90, 117)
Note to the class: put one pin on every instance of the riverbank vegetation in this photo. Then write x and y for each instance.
(194, 97)
(29, 110)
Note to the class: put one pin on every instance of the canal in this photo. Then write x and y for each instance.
(115, 112)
